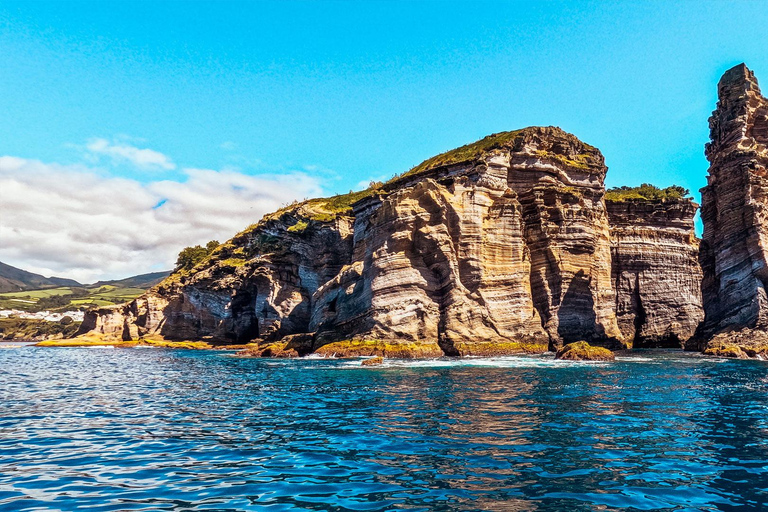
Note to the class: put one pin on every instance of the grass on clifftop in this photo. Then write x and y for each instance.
(646, 191)
(465, 153)
(470, 152)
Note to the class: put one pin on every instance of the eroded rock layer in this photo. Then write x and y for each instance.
(656, 273)
(734, 248)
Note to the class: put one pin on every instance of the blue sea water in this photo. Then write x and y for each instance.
(156, 429)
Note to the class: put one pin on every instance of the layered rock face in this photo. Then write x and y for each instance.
(501, 253)
(501, 246)
(734, 248)
(655, 270)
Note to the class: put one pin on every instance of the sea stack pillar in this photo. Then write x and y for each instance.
(734, 210)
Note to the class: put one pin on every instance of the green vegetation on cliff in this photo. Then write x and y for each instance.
(466, 153)
(646, 191)
(475, 150)
(191, 256)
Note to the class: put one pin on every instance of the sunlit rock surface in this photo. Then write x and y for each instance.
(503, 246)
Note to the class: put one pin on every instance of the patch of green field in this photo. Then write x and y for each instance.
(114, 292)
(37, 294)
(65, 298)
(93, 302)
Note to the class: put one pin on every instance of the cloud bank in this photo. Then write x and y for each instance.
(77, 221)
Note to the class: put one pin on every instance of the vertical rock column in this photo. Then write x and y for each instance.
(734, 249)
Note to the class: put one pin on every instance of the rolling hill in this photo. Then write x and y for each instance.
(24, 290)
(14, 279)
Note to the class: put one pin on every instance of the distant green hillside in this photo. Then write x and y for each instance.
(144, 281)
(69, 294)
(14, 279)
(68, 298)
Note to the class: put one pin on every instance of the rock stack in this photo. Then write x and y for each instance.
(734, 210)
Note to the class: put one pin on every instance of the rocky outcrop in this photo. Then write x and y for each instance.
(655, 269)
(734, 248)
(498, 247)
(583, 351)
(738, 343)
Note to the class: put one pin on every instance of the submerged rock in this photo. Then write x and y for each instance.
(583, 351)
(374, 361)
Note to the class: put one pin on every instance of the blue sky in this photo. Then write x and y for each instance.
(337, 93)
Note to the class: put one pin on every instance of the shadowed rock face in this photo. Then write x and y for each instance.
(735, 209)
(656, 272)
(499, 247)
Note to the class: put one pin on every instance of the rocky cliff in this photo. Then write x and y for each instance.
(734, 248)
(501, 246)
(655, 270)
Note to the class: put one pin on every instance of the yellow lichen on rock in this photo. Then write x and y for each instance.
(583, 351)
(356, 348)
(99, 340)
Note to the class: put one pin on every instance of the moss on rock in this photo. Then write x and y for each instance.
(500, 349)
(726, 350)
(369, 347)
(583, 351)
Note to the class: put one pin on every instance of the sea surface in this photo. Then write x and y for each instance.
(158, 429)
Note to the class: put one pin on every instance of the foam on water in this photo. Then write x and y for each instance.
(479, 362)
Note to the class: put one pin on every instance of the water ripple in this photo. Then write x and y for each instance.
(177, 430)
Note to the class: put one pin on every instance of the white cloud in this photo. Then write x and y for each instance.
(123, 152)
(73, 221)
(228, 145)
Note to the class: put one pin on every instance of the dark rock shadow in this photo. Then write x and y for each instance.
(576, 315)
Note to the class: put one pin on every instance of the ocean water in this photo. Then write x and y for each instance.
(155, 429)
